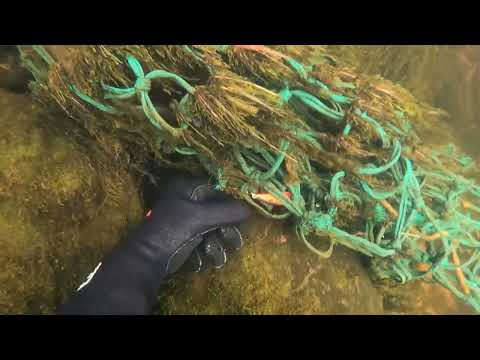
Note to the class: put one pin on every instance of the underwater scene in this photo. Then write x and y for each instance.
(240, 179)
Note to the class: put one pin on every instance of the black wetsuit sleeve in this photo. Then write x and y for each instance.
(128, 280)
(123, 283)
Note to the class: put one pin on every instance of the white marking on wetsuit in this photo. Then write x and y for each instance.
(89, 277)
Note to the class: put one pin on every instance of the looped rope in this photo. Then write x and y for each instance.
(372, 170)
(143, 85)
(313, 102)
(380, 131)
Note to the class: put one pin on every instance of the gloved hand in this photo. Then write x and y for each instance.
(215, 249)
(127, 281)
(216, 245)
(206, 215)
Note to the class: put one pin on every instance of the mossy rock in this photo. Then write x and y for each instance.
(13, 76)
(275, 274)
(59, 211)
(422, 298)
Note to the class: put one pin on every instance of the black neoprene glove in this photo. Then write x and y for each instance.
(127, 281)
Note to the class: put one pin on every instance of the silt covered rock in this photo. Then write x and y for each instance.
(59, 211)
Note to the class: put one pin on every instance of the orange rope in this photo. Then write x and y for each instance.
(468, 205)
(459, 272)
(389, 208)
(423, 267)
(435, 236)
(270, 199)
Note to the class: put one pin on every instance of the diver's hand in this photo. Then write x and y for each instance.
(216, 245)
(127, 281)
(190, 216)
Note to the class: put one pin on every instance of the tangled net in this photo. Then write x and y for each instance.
(336, 152)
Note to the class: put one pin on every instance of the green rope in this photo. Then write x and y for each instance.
(347, 129)
(376, 194)
(323, 254)
(324, 222)
(338, 98)
(185, 151)
(298, 67)
(380, 131)
(105, 108)
(192, 52)
(142, 88)
(371, 170)
(38, 74)
(380, 215)
(278, 162)
(40, 50)
(335, 185)
(312, 102)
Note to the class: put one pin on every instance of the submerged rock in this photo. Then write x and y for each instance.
(271, 276)
(421, 298)
(275, 274)
(59, 211)
(13, 76)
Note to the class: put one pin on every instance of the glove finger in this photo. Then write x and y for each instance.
(231, 238)
(194, 263)
(221, 213)
(212, 251)
(180, 256)
(196, 189)
(207, 192)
